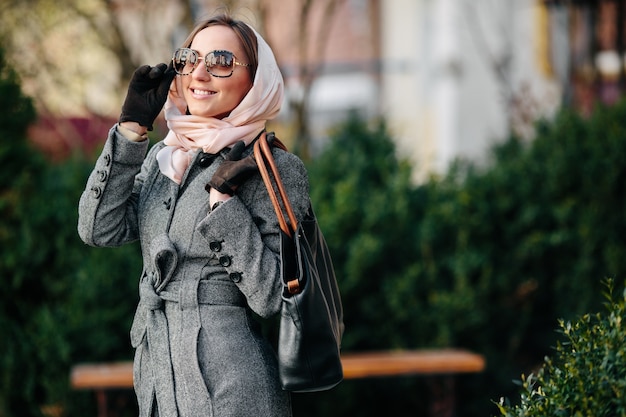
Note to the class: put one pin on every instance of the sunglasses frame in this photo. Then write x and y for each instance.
(206, 66)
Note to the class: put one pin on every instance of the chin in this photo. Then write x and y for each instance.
(199, 112)
(207, 114)
(197, 109)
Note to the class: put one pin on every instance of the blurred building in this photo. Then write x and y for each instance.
(589, 56)
(451, 77)
(454, 76)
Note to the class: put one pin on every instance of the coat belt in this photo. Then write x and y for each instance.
(150, 327)
(208, 292)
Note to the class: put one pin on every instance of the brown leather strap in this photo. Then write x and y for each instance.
(264, 158)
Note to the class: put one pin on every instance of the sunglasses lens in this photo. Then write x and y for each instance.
(220, 63)
(184, 60)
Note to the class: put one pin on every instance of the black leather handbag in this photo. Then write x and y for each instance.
(311, 322)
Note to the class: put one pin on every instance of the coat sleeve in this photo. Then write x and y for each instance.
(247, 229)
(107, 210)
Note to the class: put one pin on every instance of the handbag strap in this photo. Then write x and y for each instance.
(264, 158)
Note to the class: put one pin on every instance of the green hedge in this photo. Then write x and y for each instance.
(61, 302)
(486, 258)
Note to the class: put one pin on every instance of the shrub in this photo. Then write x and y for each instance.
(61, 302)
(362, 196)
(486, 258)
(19, 171)
(587, 376)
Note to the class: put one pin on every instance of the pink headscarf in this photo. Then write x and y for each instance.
(188, 133)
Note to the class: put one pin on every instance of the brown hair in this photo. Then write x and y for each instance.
(246, 36)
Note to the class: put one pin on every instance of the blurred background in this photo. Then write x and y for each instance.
(466, 161)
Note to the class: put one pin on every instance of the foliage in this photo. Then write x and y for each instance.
(486, 258)
(360, 192)
(61, 302)
(364, 200)
(18, 172)
(587, 376)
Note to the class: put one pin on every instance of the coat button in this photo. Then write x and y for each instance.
(168, 203)
(225, 261)
(102, 176)
(206, 159)
(215, 246)
(235, 276)
(107, 160)
(96, 191)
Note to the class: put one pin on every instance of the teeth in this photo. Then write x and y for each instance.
(202, 92)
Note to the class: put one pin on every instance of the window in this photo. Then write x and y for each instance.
(588, 36)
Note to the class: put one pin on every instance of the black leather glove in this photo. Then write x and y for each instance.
(234, 171)
(147, 93)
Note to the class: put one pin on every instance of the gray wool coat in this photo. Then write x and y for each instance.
(198, 348)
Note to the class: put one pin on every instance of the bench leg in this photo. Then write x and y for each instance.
(442, 398)
(101, 399)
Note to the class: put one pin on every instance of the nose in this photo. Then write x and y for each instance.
(200, 72)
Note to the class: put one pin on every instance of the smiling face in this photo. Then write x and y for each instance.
(210, 96)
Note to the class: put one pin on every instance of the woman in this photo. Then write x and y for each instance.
(209, 235)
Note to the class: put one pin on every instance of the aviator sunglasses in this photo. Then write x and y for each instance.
(219, 64)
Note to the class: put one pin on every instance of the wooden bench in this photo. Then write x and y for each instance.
(443, 363)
